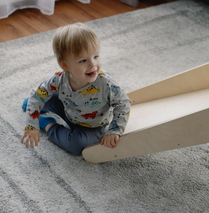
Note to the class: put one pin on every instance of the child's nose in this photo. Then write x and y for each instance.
(92, 64)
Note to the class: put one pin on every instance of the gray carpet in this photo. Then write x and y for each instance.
(138, 48)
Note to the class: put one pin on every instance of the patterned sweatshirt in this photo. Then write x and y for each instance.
(101, 103)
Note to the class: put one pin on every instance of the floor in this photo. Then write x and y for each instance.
(26, 22)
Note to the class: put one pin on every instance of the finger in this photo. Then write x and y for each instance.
(31, 143)
(27, 142)
(114, 141)
(117, 140)
(37, 140)
(102, 141)
(105, 142)
(22, 139)
(115, 144)
(109, 144)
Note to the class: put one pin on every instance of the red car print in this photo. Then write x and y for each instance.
(90, 115)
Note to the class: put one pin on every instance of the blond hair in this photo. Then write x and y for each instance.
(73, 39)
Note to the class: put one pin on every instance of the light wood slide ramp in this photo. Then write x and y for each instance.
(170, 114)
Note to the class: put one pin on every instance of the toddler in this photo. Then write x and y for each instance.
(82, 94)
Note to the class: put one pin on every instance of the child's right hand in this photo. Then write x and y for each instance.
(31, 136)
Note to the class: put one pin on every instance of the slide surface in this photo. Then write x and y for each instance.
(176, 118)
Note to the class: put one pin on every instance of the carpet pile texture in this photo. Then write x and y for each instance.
(138, 48)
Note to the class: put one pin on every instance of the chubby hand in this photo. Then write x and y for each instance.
(31, 136)
(110, 140)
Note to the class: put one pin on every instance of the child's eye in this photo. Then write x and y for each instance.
(82, 61)
(96, 56)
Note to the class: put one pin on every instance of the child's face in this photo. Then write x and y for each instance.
(84, 68)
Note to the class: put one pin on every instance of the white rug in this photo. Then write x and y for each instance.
(138, 48)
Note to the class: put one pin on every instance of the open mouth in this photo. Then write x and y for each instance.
(92, 74)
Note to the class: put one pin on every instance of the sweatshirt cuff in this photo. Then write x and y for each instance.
(111, 132)
(29, 127)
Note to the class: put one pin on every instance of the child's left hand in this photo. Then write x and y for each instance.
(110, 140)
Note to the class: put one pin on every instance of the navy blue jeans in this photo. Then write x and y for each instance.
(75, 138)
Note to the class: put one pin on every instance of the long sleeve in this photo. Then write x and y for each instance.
(121, 109)
(37, 99)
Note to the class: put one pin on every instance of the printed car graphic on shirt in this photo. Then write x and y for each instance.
(35, 114)
(59, 73)
(115, 89)
(42, 92)
(71, 103)
(83, 124)
(54, 88)
(90, 115)
(101, 72)
(90, 90)
(93, 103)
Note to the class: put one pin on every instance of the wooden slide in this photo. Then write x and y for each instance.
(170, 114)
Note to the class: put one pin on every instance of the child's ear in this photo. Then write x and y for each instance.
(63, 64)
